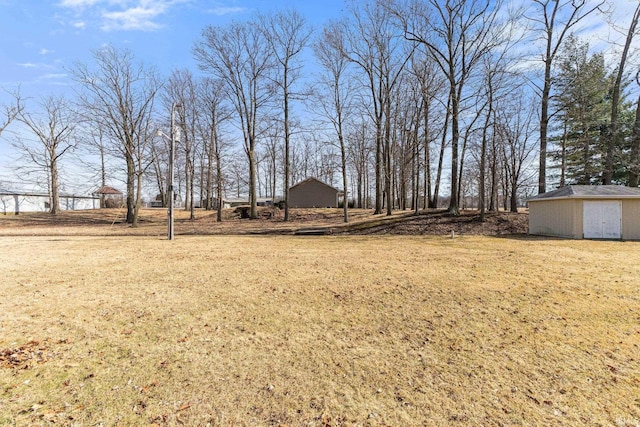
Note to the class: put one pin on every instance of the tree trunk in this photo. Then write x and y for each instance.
(615, 101)
(131, 176)
(634, 169)
(253, 210)
(379, 163)
(387, 160)
(443, 144)
(287, 138)
(455, 137)
(426, 191)
(219, 180)
(345, 195)
(483, 159)
(55, 196)
(544, 122)
(138, 202)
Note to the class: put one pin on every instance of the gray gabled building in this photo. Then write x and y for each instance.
(587, 212)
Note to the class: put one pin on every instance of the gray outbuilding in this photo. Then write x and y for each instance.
(313, 193)
(587, 212)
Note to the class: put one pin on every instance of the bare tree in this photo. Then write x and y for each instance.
(515, 130)
(118, 95)
(457, 34)
(287, 34)
(239, 55)
(334, 96)
(211, 101)
(429, 85)
(372, 41)
(554, 20)
(272, 131)
(11, 111)
(55, 132)
(634, 161)
(612, 140)
(359, 150)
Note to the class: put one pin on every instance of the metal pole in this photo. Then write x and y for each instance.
(171, 177)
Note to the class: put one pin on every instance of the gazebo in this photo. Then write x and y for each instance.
(109, 197)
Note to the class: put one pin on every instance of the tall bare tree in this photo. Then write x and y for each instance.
(515, 130)
(458, 34)
(634, 161)
(430, 84)
(335, 98)
(211, 101)
(239, 55)
(612, 140)
(371, 40)
(54, 128)
(553, 20)
(118, 95)
(287, 34)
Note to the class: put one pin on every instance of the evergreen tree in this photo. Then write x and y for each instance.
(582, 103)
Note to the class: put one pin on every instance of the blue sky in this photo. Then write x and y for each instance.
(41, 40)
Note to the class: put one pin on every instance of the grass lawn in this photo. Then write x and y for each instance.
(318, 331)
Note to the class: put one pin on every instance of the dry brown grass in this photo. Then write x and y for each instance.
(281, 330)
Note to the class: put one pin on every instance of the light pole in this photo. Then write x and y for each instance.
(175, 136)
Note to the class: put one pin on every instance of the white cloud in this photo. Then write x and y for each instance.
(44, 51)
(116, 15)
(136, 18)
(222, 10)
(28, 65)
(78, 3)
(53, 76)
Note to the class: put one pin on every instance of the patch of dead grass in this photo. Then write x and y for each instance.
(241, 330)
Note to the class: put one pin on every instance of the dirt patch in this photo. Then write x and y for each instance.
(442, 223)
(153, 222)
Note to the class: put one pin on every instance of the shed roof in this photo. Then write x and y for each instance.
(311, 179)
(5, 192)
(590, 192)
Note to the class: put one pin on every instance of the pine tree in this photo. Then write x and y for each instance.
(582, 104)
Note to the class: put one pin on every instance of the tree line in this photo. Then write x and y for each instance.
(399, 101)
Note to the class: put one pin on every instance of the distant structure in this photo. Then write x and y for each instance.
(313, 193)
(109, 197)
(16, 202)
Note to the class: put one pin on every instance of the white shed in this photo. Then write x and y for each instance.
(587, 212)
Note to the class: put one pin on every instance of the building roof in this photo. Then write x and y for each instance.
(311, 179)
(590, 192)
(5, 192)
(107, 190)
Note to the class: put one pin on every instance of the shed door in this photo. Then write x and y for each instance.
(602, 220)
